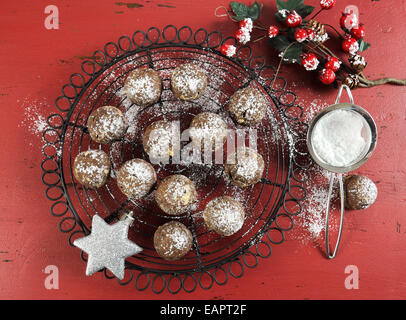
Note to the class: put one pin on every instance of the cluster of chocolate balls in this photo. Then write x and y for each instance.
(175, 194)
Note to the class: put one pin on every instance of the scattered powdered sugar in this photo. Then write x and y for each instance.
(34, 119)
(310, 223)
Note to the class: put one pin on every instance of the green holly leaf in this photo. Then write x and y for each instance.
(281, 43)
(240, 10)
(289, 4)
(280, 17)
(363, 45)
(293, 53)
(304, 11)
(254, 11)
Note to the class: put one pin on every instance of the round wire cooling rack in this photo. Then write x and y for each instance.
(270, 204)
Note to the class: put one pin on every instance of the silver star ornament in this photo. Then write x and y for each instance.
(108, 246)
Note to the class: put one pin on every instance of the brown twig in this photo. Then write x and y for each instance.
(260, 24)
(259, 39)
(227, 14)
(340, 36)
(372, 83)
(316, 14)
(280, 64)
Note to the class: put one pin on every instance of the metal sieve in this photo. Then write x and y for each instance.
(336, 171)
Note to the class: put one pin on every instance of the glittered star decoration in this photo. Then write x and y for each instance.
(107, 246)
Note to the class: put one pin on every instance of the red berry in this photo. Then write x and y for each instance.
(310, 34)
(309, 61)
(228, 50)
(333, 63)
(327, 76)
(242, 35)
(348, 21)
(273, 31)
(327, 4)
(293, 20)
(350, 45)
(358, 32)
(300, 35)
(246, 24)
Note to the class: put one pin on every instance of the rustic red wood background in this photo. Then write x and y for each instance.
(36, 62)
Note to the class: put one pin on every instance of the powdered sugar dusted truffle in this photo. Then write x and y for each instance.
(244, 167)
(224, 215)
(188, 81)
(143, 86)
(136, 178)
(172, 240)
(360, 192)
(208, 129)
(175, 194)
(92, 168)
(247, 106)
(107, 124)
(161, 140)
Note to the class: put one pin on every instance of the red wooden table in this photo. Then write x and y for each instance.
(36, 62)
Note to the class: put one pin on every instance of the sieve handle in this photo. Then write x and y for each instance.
(340, 91)
(330, 191)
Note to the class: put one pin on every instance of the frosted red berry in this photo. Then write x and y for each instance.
(273, 31)
(293, 20)
(350, 45)
(228, 50)
(348, 21)
(333, 63)
(327, 4)
(246, 24)
(327, 76)
(309, 61)
(310, 34)
(243, 36)
(358, 32)
(300, 35)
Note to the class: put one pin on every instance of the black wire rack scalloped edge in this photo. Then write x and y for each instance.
(292, 192)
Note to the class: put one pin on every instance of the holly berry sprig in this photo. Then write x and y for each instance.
(301, 41)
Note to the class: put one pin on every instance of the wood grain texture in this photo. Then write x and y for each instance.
(36, 62)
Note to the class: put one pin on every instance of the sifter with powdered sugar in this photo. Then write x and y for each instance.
(340, 139)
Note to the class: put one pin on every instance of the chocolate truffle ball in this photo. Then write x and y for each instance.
(208, 131)
(244, 167)
(247, 106)
(224, 215)
(107, 124)
(92, 168)
(172, 240)
(188, 81)
(136, 178)
(175, 194)
(161, 140)
(360, 192)
(143, 86)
